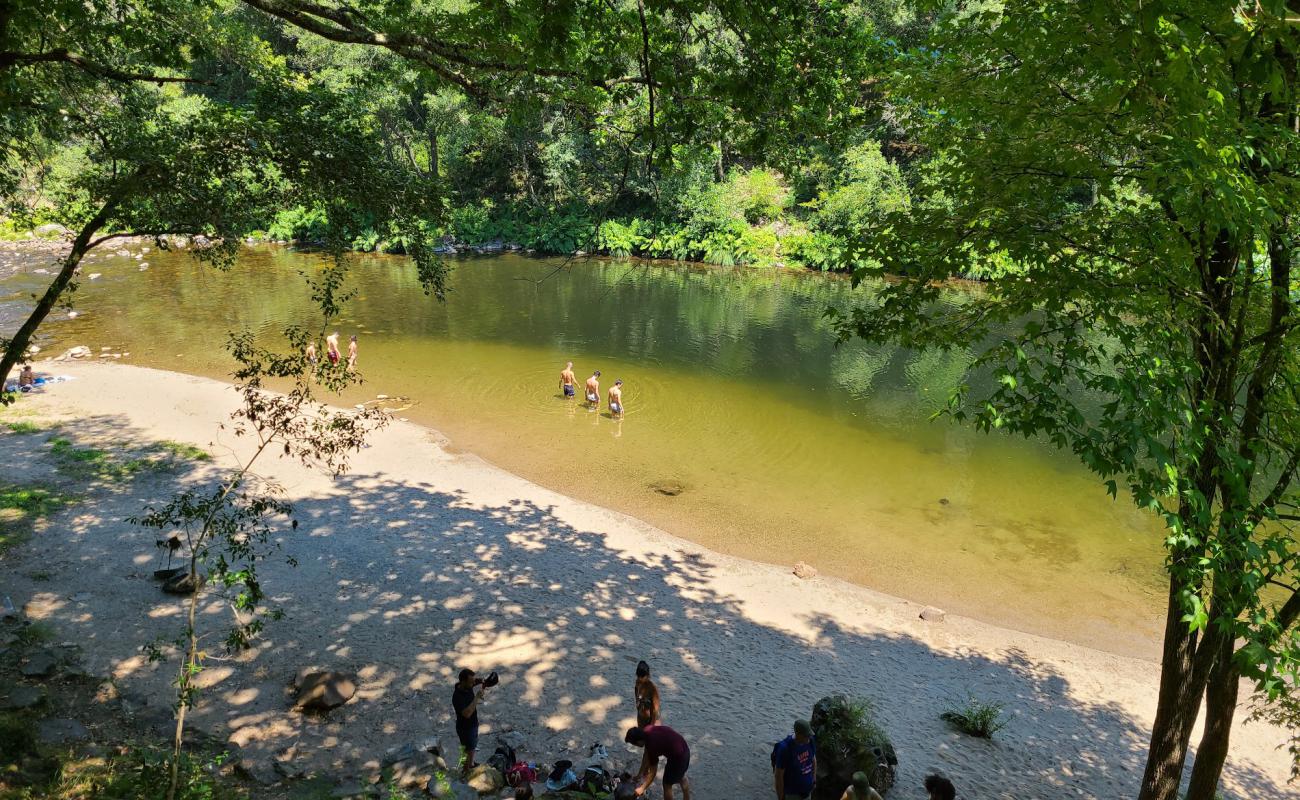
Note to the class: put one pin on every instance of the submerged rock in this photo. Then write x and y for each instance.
(804, 571)
(668, 488)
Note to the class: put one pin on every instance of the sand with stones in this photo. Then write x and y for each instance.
(419, 562)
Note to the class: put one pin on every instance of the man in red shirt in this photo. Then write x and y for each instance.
(662, 741)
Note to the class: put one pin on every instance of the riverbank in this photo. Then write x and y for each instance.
(420, 561)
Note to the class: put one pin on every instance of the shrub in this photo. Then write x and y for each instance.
(758, 247)
(976, 718)
(868, 187)
(621, 239)
(299, 224)
(472, 223)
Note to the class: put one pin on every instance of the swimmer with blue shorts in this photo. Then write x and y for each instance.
(568, 381)
(616, 399)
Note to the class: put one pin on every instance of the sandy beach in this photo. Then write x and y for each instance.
(420, 561)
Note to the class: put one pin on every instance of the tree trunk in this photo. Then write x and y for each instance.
(1220, 707)
(1179, 700)
(184, 679)
(17, 346)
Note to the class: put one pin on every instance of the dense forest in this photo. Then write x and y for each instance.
(1125, 175)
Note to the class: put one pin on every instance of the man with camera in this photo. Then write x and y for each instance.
(465, 700)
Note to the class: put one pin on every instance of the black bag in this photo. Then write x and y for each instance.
(502, 759)
(596, 780)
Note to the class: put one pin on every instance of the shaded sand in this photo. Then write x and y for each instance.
(419, 562)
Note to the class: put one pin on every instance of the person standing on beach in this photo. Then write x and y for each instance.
(352, 353)
(794, 763)
(661, 741)
(861, 789)
(568, 381)
(332, 347)
(616, 399)
(465, 701)
(646, 695)
(593, 390)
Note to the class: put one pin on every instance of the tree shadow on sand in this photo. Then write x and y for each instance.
(405, 583)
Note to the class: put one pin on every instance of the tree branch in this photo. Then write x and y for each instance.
(62, 55)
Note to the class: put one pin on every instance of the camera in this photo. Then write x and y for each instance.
(491, 680)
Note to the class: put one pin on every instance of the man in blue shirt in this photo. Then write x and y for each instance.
(794, 763)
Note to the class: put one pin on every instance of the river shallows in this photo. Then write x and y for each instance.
(747, 429)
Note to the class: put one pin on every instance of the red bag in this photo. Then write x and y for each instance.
(520, 774)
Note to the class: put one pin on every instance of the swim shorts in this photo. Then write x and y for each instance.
(675, 770)
(617, 408)
(569, 391)
(591, 398)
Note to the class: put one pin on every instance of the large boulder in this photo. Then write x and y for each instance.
(849, 740)
(322, 691)
(485, 780)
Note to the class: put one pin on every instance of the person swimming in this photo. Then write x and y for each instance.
(568, 381)
(616, 398)
(593, 389)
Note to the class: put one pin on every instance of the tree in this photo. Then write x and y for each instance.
(1129, 171)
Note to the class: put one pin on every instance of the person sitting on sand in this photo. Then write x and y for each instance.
(332, 347)
(26, 378)
(310, 353)
(662, 741)
(861, 789)
(568, 381)
(616, 398)
(352, 353)
(646, 695)
(794, 763)
(940, 788)
(593, 389)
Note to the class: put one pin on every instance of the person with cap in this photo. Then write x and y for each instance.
(661, 741)
(861, 789)
(794, 763)
(646, 695)
(465, 701)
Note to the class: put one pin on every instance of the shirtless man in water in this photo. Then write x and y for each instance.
(332, 347)
(311, 353)
(593, 389)
(352, 354)
(616, 399)
(568, 381)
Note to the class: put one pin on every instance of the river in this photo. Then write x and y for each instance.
(747, 429)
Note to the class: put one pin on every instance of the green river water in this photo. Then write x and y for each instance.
(785, 447)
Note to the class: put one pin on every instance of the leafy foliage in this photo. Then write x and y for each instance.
(976, 718)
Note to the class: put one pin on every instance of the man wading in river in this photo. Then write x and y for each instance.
(593, 390)
(568, 381)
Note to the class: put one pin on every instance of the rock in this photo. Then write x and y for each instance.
(168, 574)
(943, 501)
(24, 697)
(50, 229)
(350, 787)
(321, 691)
(804, 571)
(416, 773)
(932, 614)
(849, 740)
(105, 349)
(410, 750)
(184, 585)
(72, 315)
(485, 780)
(144, 267)
(668, 488)
(41, 664)
(258, 770)
(61, 731)
(94, 276)
(446, 789)
(381, 397)
(80, 351)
